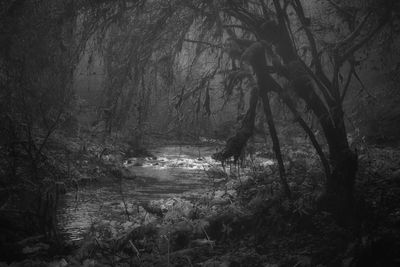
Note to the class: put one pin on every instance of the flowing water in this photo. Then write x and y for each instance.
(173, 170)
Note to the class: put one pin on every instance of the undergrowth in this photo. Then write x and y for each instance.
(244, 220)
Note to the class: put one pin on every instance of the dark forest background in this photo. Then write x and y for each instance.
(85, 79)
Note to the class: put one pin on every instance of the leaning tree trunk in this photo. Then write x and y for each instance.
(256, 57)
(339, 189)
(274, 137)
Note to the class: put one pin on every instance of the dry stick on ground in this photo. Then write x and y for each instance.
(135, 249)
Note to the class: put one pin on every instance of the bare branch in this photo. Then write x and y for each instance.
(364, 40)
(291, 105)
(314, 51)
(346, 86)
(236, 26)
(340, 9)
(202, 42)
(354, 34)
(321, 86)
(335, 79)
(362, 84)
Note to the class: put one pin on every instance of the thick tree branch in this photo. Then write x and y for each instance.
(321, 86)
(291, 105)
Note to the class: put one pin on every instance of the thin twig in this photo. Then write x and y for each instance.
(203, 43)
(311, 40)
(135, 249)
(354, 34)
(347, 85)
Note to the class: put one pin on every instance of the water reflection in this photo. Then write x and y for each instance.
(174, 170)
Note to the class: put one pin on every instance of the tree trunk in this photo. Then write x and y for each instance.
(339, 188)
(290, 104)
(256, 57)
(339, 194)
(275, 140)
(338, 197)
(325, 106)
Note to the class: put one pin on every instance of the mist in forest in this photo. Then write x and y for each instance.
(199, 133)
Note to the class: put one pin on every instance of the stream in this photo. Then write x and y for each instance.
(173, 170)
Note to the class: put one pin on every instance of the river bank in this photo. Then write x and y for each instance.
(218, 219)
